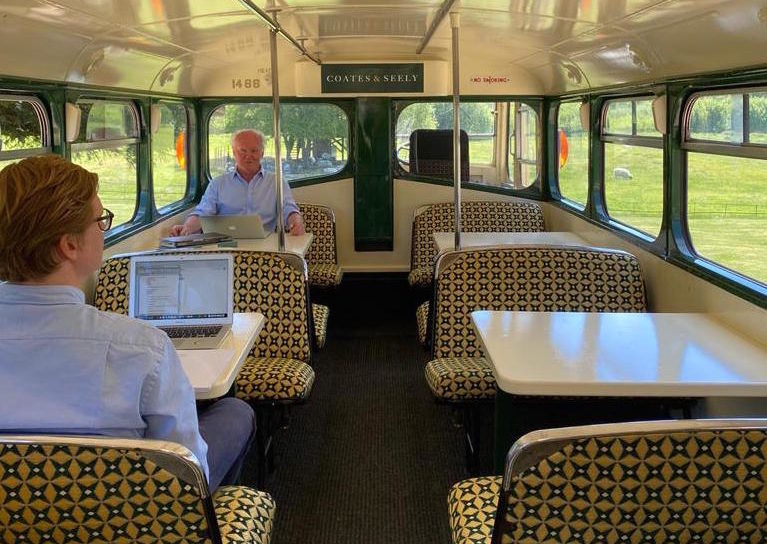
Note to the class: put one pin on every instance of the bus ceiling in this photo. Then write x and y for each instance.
(508, 47)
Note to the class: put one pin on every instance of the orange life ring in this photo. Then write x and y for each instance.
(564, 149)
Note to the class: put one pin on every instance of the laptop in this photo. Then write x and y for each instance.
(190, 296)
(197, 239)
(236, 226)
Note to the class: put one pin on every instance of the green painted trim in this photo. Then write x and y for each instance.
(373, 183)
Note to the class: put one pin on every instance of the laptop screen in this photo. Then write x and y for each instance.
(193, 289)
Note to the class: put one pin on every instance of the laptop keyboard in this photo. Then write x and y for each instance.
(203, 331)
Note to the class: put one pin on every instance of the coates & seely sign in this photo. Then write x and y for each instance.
(372, 78)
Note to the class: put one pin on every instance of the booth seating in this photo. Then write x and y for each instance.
(277, 372)
(68, 489)
(476, 216)
(665, 481)
(528, 278)
(322, 256)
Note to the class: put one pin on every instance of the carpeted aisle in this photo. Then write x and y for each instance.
(370, 458)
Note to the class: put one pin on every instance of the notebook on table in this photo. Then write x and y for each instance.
(188, 296)
(236, 226)
(197, 239)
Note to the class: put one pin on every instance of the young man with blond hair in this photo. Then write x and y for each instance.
(68, 368)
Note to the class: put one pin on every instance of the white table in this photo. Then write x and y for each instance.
(446, 240)
(620, 354)
(212, 371)
(609, 367)
(293, 244)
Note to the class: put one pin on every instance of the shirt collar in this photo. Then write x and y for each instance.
(14, 293)
(259, 175)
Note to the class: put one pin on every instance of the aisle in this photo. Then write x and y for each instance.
(370, 457)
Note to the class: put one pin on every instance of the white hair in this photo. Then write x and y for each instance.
(245, 131)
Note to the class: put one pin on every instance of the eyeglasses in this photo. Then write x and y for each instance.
(105, 221)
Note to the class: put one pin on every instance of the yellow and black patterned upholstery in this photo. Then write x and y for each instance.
(472, 505)
(322, 256)
(320, 315)
(274, 379)
(421, 320)
(458, 379)
(676, 481)
(476, 216)
(112, 285)
(89, 489)
(244, 514)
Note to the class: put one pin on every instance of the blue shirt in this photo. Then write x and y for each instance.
(230, 194)
(66, 367)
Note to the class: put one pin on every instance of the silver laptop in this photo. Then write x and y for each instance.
(190, 296)
(236, 226)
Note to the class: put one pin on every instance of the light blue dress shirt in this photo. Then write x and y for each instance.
(66, 367)
(229, 194)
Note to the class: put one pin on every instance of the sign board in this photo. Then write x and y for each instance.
(372, 78)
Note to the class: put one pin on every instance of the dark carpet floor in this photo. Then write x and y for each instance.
(370, 457)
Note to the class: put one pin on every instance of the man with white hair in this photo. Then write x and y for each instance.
(246, 190)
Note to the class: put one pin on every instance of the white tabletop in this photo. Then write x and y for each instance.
(446, 240)
(212, 371)
(620, 354)
(293, 244)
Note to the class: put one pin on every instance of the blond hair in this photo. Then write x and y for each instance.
(41, 199)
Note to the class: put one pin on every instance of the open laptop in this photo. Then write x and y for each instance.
(190, 296)
(236, 226)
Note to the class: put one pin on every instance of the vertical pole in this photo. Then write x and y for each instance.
(455, 24)
(277, 150)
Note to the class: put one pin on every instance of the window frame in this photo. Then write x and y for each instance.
(210, 106)
(189, 191)
(120, 231)
(556, 191)
(684, 252)
(46, 135)
(632, 140)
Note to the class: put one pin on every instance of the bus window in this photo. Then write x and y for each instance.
(169, 155)
(726, 143)
(107, 144)
(23, 128)
(633, 165)
(523, 145)
(315, 138)
(572, 155)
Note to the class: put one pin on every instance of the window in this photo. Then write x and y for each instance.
(315, 138)
(523, 145)
(726, 143)
(107, 144)
(23, 129)
(573, 154)
(633, 165)
(169, 153)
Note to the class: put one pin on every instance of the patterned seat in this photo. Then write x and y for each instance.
(322, 256)
(476, 216)
(93, 489)
(668, 481)
(273, 284)
(528, 278)
(320, 315)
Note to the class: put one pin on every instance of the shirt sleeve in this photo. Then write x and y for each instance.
(168, 406)
(209, 203)
(288, 204)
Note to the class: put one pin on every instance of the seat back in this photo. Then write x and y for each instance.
(431, 153)
(476, 216)
(93, 489)
(271, 283)
(527, 278)
(665, 481)
(321, 222)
